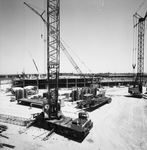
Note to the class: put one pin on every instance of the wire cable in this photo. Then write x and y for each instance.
(140, 6)
(24, 27)
(76, 55)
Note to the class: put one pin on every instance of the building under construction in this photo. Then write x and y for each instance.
(69, 80)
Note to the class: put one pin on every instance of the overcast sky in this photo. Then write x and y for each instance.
(98, 35)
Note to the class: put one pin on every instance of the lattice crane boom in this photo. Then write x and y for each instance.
(70, 59)
(52, 118)
(53, 56)
(140, 29)
(51, 109)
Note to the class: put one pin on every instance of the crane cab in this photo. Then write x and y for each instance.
(83, 115)
(82, 124)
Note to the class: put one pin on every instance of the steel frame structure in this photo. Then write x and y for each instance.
(140, 24)
(140, 58)
(53, 55)
(53, 44)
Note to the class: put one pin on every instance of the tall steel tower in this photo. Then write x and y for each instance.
(53, 55)
(140, 24)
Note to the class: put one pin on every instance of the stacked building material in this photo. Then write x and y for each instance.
(78, 93)
(21, 93)
(14, 120)
(4, 128)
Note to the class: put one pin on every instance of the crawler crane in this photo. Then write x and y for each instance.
(51, 117)
(136, 90)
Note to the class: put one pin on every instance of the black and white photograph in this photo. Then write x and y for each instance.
(73, 74)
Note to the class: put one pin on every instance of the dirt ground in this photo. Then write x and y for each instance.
(120, 125)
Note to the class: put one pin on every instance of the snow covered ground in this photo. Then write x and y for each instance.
(120, 125)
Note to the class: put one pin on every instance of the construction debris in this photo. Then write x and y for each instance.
(6, 145)
(48, 135)
(3, 128)
(14, 120)
(4, 136)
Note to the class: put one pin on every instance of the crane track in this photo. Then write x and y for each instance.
(14, 120)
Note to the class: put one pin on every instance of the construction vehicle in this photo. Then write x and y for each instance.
(89, 97)
(51, 116)
(76, 129)
(139, 27)
(92, 101)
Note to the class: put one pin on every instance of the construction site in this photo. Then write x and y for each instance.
(52, 102)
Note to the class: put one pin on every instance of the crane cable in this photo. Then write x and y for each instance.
(136, 40)
(24, 28)
(65, 42)
(76, 55)
(34, 62)
(41, 9)
(140, 6)
(134, 44)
